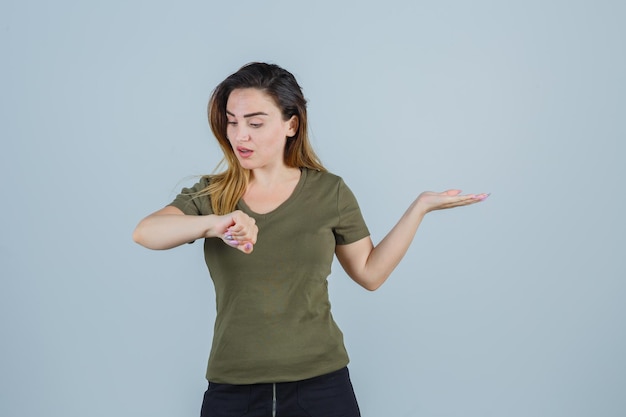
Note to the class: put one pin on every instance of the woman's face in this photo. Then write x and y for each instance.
(256, 129)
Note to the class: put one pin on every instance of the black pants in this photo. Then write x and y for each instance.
(329, 395)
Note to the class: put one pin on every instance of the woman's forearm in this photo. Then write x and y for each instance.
(165, 231)
(371, 265)
(385, 256)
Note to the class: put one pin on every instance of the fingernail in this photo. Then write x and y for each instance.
(233, 243)
(248, 246)
(228, 237)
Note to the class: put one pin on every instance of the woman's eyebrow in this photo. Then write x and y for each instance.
(258, 113)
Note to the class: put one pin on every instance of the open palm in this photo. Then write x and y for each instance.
(431, 201)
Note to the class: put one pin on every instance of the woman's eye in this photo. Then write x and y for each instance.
(232, 123)
(255, 125)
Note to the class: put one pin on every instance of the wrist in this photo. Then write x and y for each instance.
(209, 225)
(420, 208)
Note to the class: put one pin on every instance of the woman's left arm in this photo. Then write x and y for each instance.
(371, 265)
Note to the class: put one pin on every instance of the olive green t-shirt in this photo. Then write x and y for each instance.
(273, 321)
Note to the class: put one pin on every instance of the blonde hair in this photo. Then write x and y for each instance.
(226, 188)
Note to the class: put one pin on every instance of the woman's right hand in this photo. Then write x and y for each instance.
(170, 227)
(238, 230)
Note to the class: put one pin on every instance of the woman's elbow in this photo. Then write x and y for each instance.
(371, 283)
(370, 287)
(138, 236)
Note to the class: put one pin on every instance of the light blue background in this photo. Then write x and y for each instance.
(514, 307)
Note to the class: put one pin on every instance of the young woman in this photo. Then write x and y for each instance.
(271, 224)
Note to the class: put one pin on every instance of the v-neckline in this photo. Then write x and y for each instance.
(243, 206)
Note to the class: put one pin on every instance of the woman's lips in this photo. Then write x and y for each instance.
(244, 152)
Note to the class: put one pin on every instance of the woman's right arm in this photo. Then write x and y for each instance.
(170, 227)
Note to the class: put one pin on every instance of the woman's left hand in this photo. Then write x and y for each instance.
(430, 201)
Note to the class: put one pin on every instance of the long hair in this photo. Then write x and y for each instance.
(226, 188)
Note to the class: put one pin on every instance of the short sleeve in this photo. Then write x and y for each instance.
(189, 202)
(351, 226)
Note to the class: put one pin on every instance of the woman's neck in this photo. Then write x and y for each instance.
(268, 178)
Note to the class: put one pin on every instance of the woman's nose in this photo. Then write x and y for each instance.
(242, 134)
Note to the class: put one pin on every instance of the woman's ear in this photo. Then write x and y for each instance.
(293, 126)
